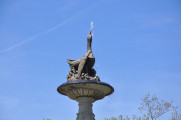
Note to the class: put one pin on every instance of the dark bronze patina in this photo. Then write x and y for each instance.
(82, 69)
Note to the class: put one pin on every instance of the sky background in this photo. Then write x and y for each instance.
(137, 45)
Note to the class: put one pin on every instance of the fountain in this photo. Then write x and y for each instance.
(83, 85)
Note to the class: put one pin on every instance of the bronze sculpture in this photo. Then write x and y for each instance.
(81, 69)
(83, 85)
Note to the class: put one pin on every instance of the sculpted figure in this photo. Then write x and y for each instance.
(81, 69)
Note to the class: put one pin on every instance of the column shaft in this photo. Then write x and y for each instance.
(85, 108)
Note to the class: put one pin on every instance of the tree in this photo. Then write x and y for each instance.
(127, 118)
(176, 115)
(153, 109)
(46, 119)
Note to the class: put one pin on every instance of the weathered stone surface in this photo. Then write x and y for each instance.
(83, 85)
(94, 89)
(81, 69)
(85, 108)
(85, 92)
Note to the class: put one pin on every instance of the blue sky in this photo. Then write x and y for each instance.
(137, 45)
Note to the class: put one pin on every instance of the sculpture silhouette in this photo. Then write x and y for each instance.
(83, 65)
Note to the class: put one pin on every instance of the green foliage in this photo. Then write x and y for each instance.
(46, 119)
(153, 108)
(175, 114)
(134, 117)
(120, 117)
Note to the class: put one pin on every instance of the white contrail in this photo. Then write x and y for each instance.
(19, 44)
(35, 36)
(47, 31)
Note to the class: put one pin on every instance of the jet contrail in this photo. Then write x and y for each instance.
(19, 44)
(47, 31)
(35, 36)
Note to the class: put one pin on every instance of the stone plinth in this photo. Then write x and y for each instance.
(85, 108)
(85, 92)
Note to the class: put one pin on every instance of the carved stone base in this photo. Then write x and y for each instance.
(85, 92)
(85, 108)
(85, 88)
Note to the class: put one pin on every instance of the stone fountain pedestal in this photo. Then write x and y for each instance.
(85, 92)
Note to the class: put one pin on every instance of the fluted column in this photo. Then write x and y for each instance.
(85, 108)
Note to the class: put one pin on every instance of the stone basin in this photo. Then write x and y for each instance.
(85, 88)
